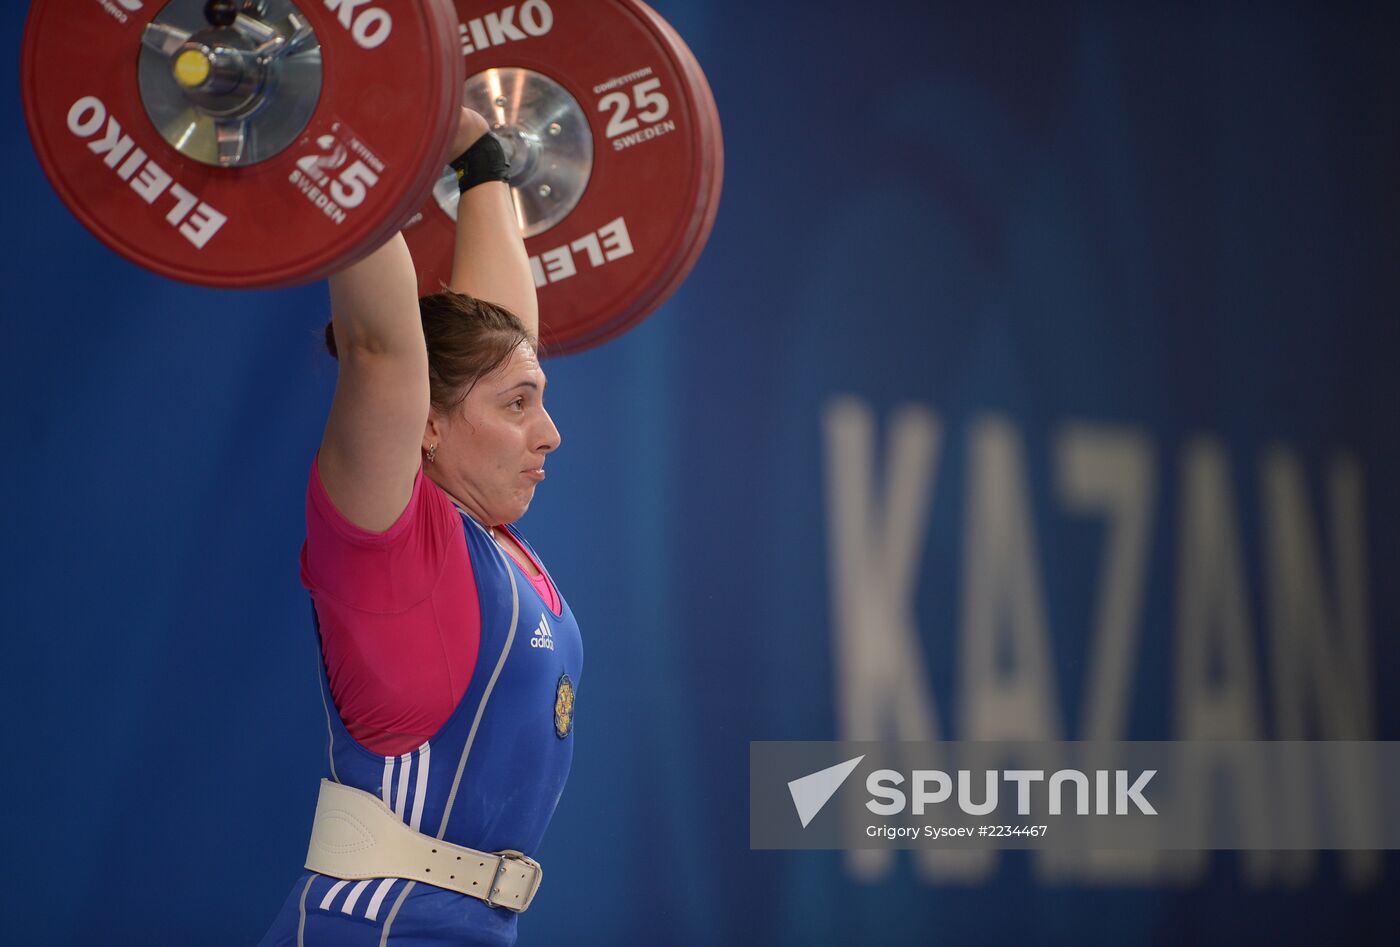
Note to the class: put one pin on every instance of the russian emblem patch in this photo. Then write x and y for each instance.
(564, 707)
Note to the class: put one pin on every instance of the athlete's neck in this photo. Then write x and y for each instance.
(471, 509)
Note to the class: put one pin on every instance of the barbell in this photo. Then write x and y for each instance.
(267, 143)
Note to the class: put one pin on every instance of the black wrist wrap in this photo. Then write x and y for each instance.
(482, 162)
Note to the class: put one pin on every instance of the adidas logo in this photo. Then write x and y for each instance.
(543, 637)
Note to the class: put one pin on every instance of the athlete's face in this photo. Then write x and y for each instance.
(492, 447)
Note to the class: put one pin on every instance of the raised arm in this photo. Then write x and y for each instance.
(370, 451)
(490, 262)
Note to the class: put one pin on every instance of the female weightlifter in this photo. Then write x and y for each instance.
(449, 657)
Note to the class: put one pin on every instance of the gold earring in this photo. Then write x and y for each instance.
(432, 454)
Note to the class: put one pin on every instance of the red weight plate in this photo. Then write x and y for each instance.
(703, 224)
(444, 31)
(653, 165)
(714, 150)
(361, 162)
(708, 209)
(702, 221)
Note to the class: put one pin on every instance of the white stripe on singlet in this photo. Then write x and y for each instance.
(349, 906)
(388, 777)
(401, 799)
(420, 791)
(330, 895)
(380, 892)
(330, 734)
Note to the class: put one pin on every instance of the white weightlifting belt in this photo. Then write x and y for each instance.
(356, 836)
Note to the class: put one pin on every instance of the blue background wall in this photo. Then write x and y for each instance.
(1180, 220)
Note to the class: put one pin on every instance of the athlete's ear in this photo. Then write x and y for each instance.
(433, 430)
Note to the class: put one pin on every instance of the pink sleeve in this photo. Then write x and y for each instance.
(399, 619)
(386, 572)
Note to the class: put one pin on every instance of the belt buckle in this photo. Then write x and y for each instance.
(511, 855)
